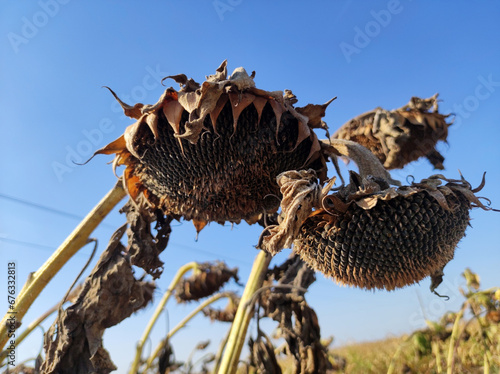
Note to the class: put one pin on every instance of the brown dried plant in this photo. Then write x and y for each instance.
(398, 137)
(206, 280)
(110, 294)
(178, 153)
(367, 233)
(281, 298)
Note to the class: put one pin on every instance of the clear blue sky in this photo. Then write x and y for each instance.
(55, 57)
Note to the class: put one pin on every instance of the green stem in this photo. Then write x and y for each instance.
(159, 309)
(76, 240)
(182, 323)
(242, 319)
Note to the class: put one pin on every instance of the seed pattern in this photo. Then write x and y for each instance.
(396, 243)
(225, 175)
(212, 152)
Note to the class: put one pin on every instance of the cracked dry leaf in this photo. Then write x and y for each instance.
(400, 136)
(110, 294)
(210, 152)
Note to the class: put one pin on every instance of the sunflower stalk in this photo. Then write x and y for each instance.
(159, 309)
(182, 323)
(454, 338)
(220, 351)
(243, 315)
(437, 353)
(76, 240)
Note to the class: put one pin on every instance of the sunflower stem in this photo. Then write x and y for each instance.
(453, 340)
(243, 316)
(220, 350)
(182, 323)
(437, 353)
(77, 239)
(159, 309)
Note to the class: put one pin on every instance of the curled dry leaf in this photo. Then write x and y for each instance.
(144, 248)
(110, 294)
(400, 136)
(206, 280)
(300, 194)
(211, 151)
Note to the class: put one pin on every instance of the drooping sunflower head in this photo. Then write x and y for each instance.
(212, 151)
(398, 137)
(368, 233)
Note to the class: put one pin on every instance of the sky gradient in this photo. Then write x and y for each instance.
(56, 56)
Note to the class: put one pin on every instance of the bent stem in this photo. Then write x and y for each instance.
(159, 309)
(76, 240)
(243, 316)
(182, 323)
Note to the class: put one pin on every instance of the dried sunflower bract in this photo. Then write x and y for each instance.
(212, 151)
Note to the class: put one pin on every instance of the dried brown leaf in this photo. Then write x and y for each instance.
(144, 247)
(110, 294)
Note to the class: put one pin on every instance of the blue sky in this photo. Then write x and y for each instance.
(56, 55)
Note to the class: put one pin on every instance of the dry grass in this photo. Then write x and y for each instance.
(369, 357)
(478, 351)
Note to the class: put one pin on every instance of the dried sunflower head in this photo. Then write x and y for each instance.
(224, 315)
(206, 280)
(212, 151)
(369, 234)
(400, 136)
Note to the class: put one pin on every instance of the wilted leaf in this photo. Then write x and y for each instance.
(110, 294)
